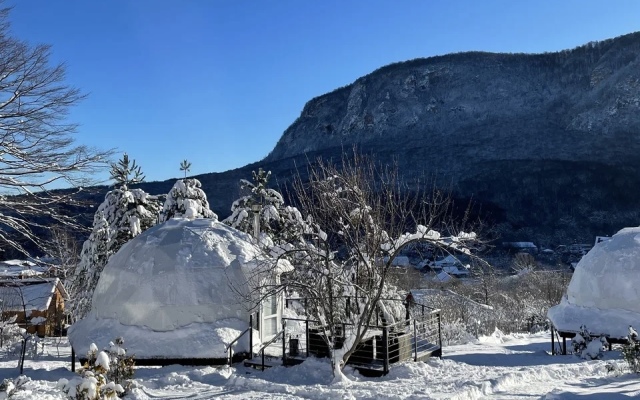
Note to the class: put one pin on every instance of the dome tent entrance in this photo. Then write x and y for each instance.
(604, 291)
(175, 292)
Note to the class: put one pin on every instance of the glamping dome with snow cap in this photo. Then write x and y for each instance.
(604, 292)
(174, 292)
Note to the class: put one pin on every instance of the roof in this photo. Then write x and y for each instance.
(32, 294)
(17, 268)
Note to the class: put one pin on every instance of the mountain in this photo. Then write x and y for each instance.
(546, 145)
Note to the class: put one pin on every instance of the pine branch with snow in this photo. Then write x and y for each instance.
(126, 172)
(186, 200)
(124, 214)
(280, 223)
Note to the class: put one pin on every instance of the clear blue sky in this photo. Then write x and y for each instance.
(217, 81)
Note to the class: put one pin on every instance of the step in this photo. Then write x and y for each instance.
(257, 363)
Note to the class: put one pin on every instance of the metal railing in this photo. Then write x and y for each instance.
(229, 348)
(270, 342)
(415, 338)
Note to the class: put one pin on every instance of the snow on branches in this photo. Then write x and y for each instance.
(356, 221)
(124, 214)
(278, 222)
(186, 200)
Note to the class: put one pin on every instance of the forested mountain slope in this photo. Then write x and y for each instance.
(547, 145)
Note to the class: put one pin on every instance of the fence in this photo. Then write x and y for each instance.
(415, 337)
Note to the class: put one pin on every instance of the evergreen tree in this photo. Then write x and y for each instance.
(279, 222)
(186, 200)
(186, 167)
(126, 173)
(124, 214)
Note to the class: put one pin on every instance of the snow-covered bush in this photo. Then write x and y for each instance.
(8, 387)
(456, 332)
(631, 350)
(103, 375)
(10, 331)
(585, 346)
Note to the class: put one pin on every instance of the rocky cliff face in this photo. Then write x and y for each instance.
(546, 145)
(548, 141)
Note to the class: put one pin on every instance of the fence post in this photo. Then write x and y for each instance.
(251, 336)
(553, 345)
(348, 307)
(73, 359)
(284, 341)
(415, 340)
(385, 349)
(306, 333)
(440, 333)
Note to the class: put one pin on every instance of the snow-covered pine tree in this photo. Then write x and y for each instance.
(126, 173)
(124, 214)
(279, 222)
(186, 200)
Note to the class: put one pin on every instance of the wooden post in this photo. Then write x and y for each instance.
(553, 347)
(564, 345)
(73, 360)
(385, 349)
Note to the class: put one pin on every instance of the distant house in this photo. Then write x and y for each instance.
(21, 269)
(521, 247)
(38, 303)
(399, 261)
(449, 264)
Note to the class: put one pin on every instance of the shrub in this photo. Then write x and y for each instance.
(105, 375)
(585, 347)
(631, 351)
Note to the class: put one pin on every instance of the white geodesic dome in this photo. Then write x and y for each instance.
(173, 291)
(604, 292)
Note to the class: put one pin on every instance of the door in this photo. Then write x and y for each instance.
(270, 317)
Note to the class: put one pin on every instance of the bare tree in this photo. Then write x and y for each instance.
(37, 150)
(63, 247)
(357, 216)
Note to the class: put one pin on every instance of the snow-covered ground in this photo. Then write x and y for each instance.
(500, 367)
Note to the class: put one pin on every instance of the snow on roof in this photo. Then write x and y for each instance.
(442, 277)
(29, 294)
(16, 268)
(173, 283)
(603, 292)
(449, 259)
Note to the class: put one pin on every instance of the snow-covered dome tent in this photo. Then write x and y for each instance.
(175, 292)
(604, 292)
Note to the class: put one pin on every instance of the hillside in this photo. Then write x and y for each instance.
(545, 144)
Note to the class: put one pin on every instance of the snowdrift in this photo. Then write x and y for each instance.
(604, 292)
(172, 292)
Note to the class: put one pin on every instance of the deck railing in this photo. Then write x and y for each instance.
(229, 347)
(416, 337)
